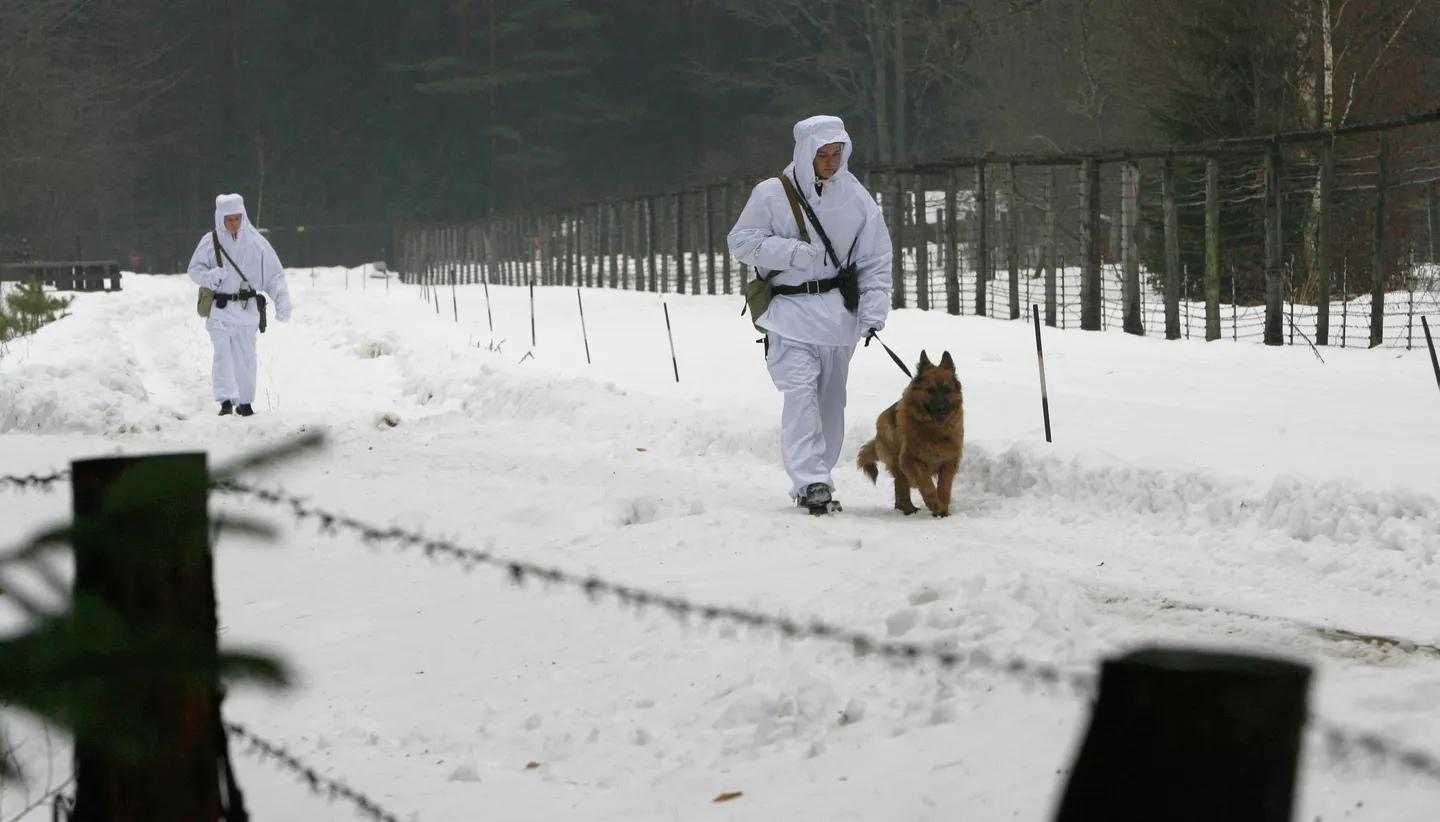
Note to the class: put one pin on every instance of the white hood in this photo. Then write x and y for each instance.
(811, 134)
(225, 205)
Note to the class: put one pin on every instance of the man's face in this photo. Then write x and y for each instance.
(827, 160)
(232, 223)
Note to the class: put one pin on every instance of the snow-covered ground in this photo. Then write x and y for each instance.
(1218, 495)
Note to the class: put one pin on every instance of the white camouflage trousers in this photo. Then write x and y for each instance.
(812, 425)
(232, 372)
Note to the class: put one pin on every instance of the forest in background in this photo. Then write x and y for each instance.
(132, 116)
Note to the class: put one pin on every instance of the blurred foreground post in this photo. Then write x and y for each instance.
(142, 553)
(1186, 736)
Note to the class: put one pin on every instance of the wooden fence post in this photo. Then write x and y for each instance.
(652, 228)
(680, 242)
(709, 244)
(1379, 262)
(726, 211)
(1274, 251)
(922, 247)
(1090, 282)
(1129, 247)
(982, 240)
(142, 552)
(897, 242)
(1172, 250)
(1012, 239)
(952, 246)
(1323, 244)
(1212, 248)
(1049, 247)
(1170, 725)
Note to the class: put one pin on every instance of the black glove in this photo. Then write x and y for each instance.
(869, 335)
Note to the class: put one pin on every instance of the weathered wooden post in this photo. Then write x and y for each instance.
(1323, 242)
(1133, 322)
(922, 246)
(1190, 736)
(952, 246)
(982, 240)
(1212, 248)
(1049, 247)
(709, 233)
(652, 229)
(680, 242)
(1090, 282)
(142, 553)
(726, 213)
(897, 242)
(1012, 239)
(1172, 250)
(1380, 261)
(1274, 250)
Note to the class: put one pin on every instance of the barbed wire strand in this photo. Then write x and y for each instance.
(1082, 684)
(33, 481)
(318, 784)
(1344, 744)
(55, 791)
(594, 588)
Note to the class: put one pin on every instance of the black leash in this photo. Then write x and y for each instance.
(876, 337)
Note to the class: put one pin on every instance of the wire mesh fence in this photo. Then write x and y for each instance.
(1331, 238)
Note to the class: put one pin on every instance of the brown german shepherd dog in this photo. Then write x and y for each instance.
(920, 438)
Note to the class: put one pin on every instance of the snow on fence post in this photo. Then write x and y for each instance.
(982, 239)
(1132, 320)
(1172, 250)
(1212, 248)
(1323, 242)
(952, 245)
(142, 551)
(1090, 283)
(1378, 265)
(1171, 725)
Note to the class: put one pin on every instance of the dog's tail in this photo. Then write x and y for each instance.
(868, 461)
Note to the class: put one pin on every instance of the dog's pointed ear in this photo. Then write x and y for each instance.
(925, 364)
(946, 362)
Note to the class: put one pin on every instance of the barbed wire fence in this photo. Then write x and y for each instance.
(1334, 235)
(1336, 742)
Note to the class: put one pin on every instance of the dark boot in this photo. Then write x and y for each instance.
(818, 499)
(225, 408)
(244, 409)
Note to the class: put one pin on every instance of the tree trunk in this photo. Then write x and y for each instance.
(874, 25)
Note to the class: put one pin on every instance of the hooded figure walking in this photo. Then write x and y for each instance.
(238, 264)
(811, 331)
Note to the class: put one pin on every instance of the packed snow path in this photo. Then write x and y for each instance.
(1223, 495)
